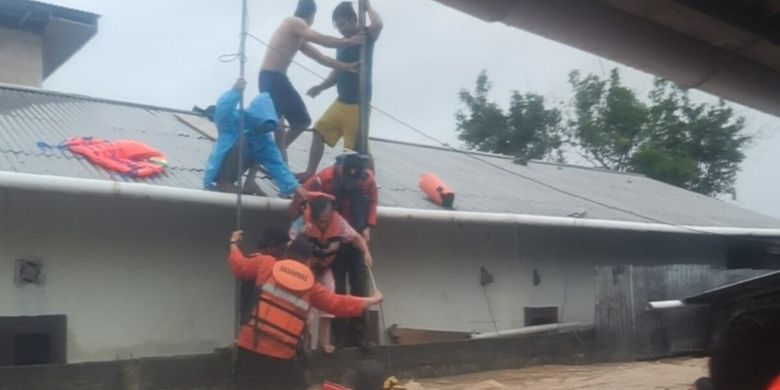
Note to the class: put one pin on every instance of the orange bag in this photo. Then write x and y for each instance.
(439, 192)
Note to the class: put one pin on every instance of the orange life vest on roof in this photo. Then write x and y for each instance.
(279, 316)
(130, 158)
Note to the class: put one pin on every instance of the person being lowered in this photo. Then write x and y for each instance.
(260, 150)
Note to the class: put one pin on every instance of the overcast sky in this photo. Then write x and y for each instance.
(165, 53)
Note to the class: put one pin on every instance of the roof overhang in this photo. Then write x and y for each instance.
(761, 287)
(728, 48)
(124, 190)
(64, 31)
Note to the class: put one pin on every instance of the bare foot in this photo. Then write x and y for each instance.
(328, 349)
(227, 187)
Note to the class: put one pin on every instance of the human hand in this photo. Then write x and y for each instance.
(367, 234)
(314, 91)
(357, 39)
(236, 237)
(377, 298)
(240, 85)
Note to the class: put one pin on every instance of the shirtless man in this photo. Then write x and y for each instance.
(292, 36)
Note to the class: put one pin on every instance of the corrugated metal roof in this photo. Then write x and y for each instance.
(28, 117)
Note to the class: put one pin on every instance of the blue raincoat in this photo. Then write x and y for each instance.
(260, 147)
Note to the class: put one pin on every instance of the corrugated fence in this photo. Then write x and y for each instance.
(626, 331)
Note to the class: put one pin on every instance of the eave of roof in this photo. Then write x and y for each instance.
(757, 287)
(64, 30)
(122, 190)
(670, 38)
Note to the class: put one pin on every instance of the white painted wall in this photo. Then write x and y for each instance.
(21, 57)
(430, 273)
(150, 279)
(136, 279)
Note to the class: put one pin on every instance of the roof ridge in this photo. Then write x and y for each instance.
(453, 149)
(41, 91)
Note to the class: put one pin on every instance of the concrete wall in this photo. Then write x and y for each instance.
(135, 279)
(430, 274)
(140, 279)
(21, 58)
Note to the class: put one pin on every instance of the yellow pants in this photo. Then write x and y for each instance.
(341, 120)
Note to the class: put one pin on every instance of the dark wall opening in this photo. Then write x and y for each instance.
(36, 340)
(541, 316)
(32, 348)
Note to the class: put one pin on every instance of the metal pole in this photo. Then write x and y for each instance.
(365, 105)
(239, 203)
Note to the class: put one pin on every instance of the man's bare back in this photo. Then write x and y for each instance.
(285, 44)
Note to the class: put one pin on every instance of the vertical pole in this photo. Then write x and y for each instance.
(365, 106)
(239, 205)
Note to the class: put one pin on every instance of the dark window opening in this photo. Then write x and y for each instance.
(36, 340)
(32, 348)
(541, 316)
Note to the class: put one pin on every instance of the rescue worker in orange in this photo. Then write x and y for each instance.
(354, 189)
(327, 230)
(286, 292)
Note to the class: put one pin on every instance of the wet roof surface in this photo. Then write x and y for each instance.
(31, 117)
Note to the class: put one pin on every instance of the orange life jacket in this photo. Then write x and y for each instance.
(125, 157)
(436, 189)
(279, 317)
(326, 243)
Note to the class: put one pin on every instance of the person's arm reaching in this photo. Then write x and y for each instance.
(343, 306)
(377, 24)
(227, 105)
(312, 52)
(329, 82)
(244, 268)
(303, 30)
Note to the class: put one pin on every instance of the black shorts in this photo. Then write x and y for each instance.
(287, 100)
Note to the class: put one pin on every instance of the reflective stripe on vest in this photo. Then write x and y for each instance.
(282, 308)
(287, 296)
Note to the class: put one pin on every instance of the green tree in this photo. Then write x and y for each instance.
(608, 120)
(694, 146)
(528, 130)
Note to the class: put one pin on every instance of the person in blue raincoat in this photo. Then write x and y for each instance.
(260, 148)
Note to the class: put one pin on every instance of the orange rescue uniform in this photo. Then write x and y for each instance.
(280, 314)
